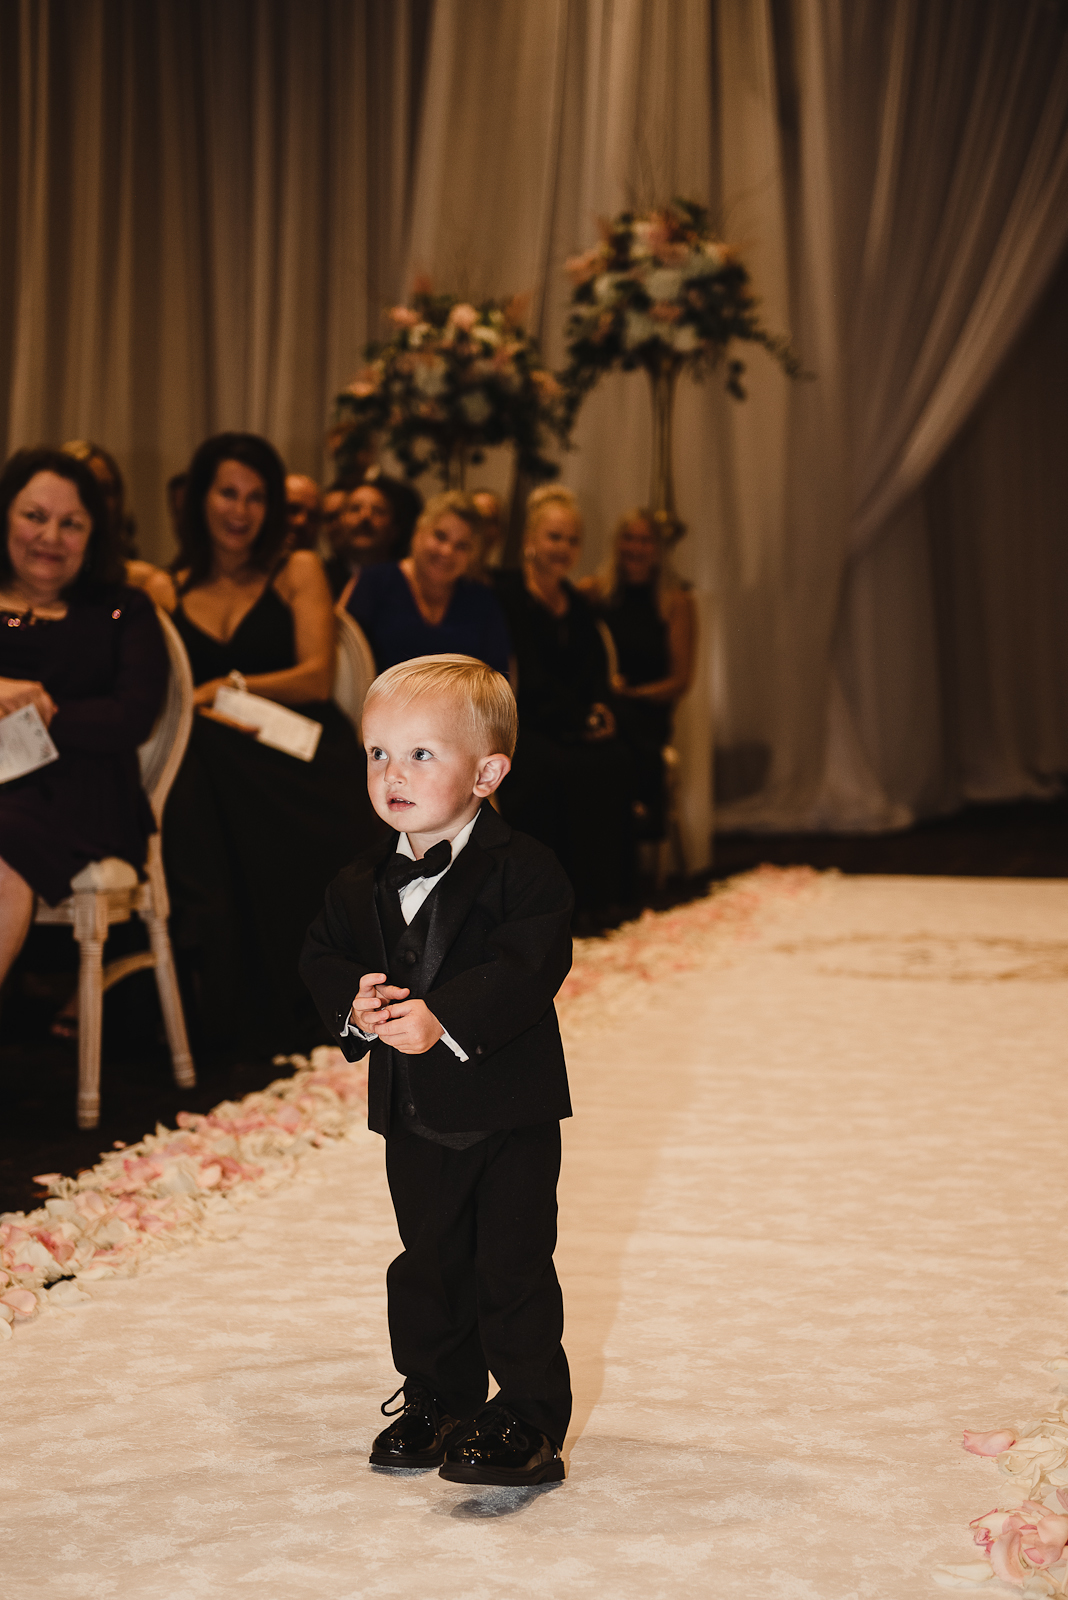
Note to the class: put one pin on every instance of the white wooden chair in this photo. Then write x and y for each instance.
(355, 669)
(108, 891)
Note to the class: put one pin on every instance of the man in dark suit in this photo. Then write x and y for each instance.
(442, 951)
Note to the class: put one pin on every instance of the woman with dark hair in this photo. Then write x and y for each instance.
(105, 470)
(86, 651)
(253, 835)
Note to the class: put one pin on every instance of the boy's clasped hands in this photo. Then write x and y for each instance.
(383, 1009)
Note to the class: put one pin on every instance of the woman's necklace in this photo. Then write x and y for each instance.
(19, 613)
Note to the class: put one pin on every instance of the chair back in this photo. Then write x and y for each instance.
(355, 670)
(161, 754)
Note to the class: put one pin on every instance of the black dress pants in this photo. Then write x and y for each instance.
(475, 1291)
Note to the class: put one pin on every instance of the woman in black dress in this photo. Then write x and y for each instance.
(89, 654)
(570, 783)
(253, 835)
(652, 619)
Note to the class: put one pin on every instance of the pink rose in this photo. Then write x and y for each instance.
(402, 316)
(546, 385)
(463, 317)
(1017, 1542)
(988, 1444)
(580, 269)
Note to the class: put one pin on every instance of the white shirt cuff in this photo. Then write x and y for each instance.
(447, 1038)
(350, 1030)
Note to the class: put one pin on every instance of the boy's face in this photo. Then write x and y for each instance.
(425, 775)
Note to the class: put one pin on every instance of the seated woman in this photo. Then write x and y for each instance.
(89, 654)
(653, 621)
(424, 605)
(570, 784)
(253, 835)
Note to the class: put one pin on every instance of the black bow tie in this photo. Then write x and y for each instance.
(400, 871)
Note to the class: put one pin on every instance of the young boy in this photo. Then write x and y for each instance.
(442, 951)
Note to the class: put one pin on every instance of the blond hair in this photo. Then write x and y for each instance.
(481, 697)
(544, 498)
(608, 579)
(457, 504)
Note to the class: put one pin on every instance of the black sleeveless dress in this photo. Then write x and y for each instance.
(642, 647)
(251, 838)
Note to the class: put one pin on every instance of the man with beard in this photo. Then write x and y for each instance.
(374, 525)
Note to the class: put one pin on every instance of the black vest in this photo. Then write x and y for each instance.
(405, 945)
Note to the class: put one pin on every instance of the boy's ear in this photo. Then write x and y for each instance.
(492, 771)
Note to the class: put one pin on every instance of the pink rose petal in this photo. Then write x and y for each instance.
(988, 1444)
(21, 1301)
(1006, 1557)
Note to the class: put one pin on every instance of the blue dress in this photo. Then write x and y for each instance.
(384, 606)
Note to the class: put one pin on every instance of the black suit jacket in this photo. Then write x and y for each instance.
(497, 949)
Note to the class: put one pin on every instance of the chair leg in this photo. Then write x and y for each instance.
(90, 930)
(154, 911)
(171, 1003)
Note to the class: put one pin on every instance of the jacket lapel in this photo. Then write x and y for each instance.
(362, 911)
(449, 905)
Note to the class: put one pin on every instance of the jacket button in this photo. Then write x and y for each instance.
(409, 1109)
(480, 1049)
(411, 957)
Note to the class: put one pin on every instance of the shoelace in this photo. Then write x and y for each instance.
(384, 1407)
(418, 1398)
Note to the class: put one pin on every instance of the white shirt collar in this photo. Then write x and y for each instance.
(404, 847)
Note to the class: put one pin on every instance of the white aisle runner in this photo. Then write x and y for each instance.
(812, 1226)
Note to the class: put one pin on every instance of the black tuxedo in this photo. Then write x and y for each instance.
(487, 952)
(474, 1290)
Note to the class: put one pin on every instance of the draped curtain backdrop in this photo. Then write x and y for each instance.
(209, 203)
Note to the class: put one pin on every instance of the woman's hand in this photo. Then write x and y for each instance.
(204, 694)
(600, 724)
(204, 700)
(227, 722)
(18, 692)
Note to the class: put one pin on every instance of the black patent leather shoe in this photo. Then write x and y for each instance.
(420, 1435)
(500, 1448)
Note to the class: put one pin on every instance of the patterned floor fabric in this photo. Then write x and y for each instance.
(812, 1212)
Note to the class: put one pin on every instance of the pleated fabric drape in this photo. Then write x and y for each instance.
(202, 197)
(209, 203)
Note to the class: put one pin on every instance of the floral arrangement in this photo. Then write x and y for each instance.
(1026, 1545)
(453, 379)
(659, 291)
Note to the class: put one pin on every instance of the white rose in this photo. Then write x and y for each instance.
(638, 328)
(664, 284)
(476, 408)
(430, 380)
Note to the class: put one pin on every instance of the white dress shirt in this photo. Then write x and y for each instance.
(411, 898)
